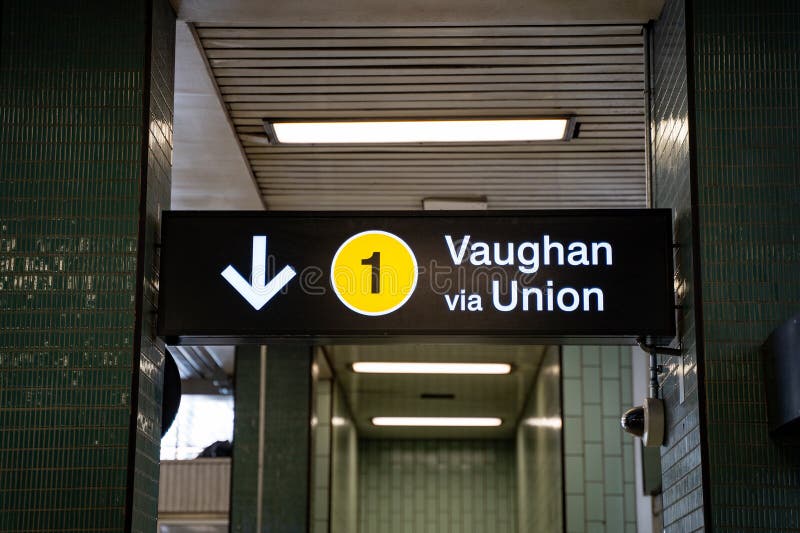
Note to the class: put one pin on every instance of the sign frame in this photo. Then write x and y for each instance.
(228, 336)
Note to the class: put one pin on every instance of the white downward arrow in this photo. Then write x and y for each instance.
(258, 292)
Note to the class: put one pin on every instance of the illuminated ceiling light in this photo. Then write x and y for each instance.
(420, 131)
(431, 368)
(434, 421)
(543, 422)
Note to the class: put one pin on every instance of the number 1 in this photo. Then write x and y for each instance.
(375, 262)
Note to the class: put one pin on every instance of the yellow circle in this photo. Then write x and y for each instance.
(374, 272)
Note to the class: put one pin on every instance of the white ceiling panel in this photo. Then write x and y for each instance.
(209, 170)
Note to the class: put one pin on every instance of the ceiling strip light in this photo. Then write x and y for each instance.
(431, 368)
(420, 131)
(432, 421)
(543, 422)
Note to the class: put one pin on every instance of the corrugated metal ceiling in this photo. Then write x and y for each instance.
(595, 72)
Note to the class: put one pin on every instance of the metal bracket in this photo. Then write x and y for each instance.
(655, 368)
(652, 349)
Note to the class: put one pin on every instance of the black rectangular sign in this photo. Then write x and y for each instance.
(568, 275)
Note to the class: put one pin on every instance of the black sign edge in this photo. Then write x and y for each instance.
(225, 338)
(490, 213)
(515, 339)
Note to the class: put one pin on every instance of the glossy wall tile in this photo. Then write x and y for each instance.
(747, 81)
(78, 364)
(598, 456)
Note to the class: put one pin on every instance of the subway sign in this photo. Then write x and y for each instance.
(571, 276)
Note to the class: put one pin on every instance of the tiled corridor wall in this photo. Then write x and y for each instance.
(334, 501)
(747, 112)
(539, 462)
(437, 486)
(344, 465)
(156, 197)
(247, 406)
(598, 456)
(270, 476)
(739, 107)
(321, 451)
(682, 479)
(85, 149)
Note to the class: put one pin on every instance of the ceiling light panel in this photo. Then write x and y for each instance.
(432, 421)
(431, 368)
(543, 422)
(420, 131)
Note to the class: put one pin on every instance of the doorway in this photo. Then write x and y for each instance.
(499, 478)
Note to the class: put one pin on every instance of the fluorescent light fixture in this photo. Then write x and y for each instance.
(455, 204)
(431, 368)
(543, 422)
(435, 421)
(420, 131)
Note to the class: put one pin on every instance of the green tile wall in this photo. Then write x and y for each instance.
(540, 489)
(681, 455)
(744, 78)
(157, 197)
(284, 492)
(598, 456)
(246, 406)
(322, 390)
(344, 466)
(746, 62)
(287, 438)
(73, 93)
(436, 486)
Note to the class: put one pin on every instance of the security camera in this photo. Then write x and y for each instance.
(633, 421)
(646, 422)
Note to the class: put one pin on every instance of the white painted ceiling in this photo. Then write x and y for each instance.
(208, 168)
